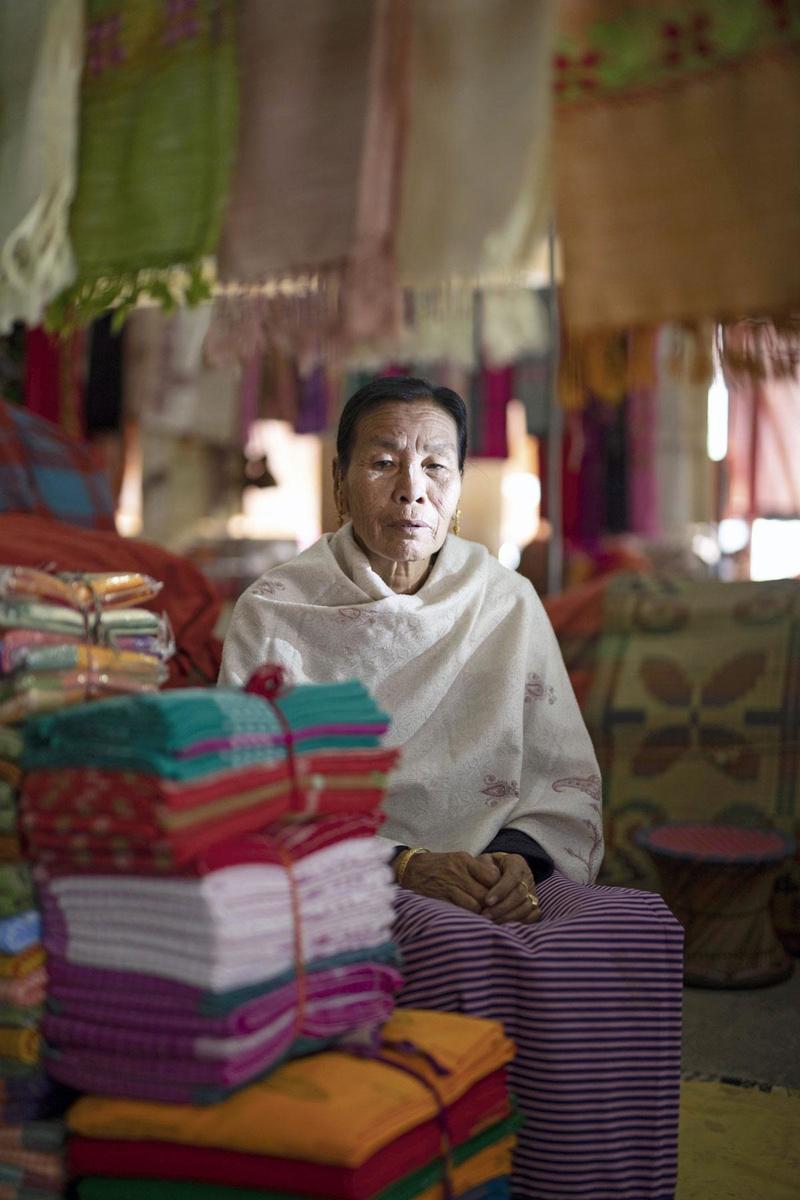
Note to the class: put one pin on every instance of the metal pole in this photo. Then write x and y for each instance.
(555, 557)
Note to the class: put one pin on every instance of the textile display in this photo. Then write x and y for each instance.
(41, 47)
(188, 414)
(763, 407)
(191, 604)
(690, 210)
(91, 607)
(234, 931)
(481, 95)
(694, 712)
(188, 733)
(82, 591)
(55, 378)
(470, 1162)
(333, 1124)
(315, 185)
(225, 948)
(683, 469)
(423, 653)
(43, 471)
(157, 125)
(159, 826)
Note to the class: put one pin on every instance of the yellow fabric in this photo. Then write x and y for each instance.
(487, 1164)
(16, 966)
(737, 1143)
(24, 1044)
(329, 1108)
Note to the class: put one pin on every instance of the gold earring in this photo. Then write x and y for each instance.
(457, 522)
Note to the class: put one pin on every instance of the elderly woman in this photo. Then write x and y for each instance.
(495, 810)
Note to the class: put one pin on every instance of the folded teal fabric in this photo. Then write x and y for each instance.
(54, 618)
(194, 731)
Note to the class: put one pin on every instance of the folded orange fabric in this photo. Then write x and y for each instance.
(22, 1044)
(17, 966)
(331, 1108)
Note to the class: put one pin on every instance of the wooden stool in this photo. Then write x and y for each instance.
(718, 881)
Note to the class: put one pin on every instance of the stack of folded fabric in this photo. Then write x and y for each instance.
(32, 1160)
(31, 1147)
(149, 783)
(420, 1114)
(22, 974)
(68, 638)
(214, 897)
(185, 989)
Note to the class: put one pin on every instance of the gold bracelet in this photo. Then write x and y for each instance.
(404, 859)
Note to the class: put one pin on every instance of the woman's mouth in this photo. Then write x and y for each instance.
(409, 526)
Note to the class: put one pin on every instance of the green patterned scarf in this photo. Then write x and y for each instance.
(157, 135)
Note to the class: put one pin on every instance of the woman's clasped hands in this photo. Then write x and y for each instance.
(499, 886)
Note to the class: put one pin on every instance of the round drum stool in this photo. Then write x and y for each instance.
(718, 881)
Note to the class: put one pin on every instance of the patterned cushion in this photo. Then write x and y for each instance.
(695, 714)
(44, 471)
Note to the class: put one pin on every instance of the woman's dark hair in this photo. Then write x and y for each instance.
(390, 387)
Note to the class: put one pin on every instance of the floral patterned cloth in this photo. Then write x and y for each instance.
(695, 712)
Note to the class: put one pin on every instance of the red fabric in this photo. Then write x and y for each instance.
(43, 374)
(114, 823)
(702, 842)
(187, 597)
(483, 1106)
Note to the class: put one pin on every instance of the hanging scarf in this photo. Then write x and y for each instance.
(313, 198)
(476, 189)
(677, 160)
(158, 115)
(40, 63)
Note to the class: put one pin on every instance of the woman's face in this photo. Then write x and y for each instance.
(402, 485)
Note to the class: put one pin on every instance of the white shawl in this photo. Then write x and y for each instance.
(471, 672)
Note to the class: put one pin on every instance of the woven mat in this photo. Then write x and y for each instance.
(738, 1141)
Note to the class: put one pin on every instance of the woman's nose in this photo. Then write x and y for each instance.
(410, 489)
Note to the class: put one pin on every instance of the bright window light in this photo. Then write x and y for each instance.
(509, 555)
(717, 419)
(775, 549)
(733, 535)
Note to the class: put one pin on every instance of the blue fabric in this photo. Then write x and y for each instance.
(20, 932)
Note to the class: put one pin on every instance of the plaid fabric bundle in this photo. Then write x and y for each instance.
(44, 471)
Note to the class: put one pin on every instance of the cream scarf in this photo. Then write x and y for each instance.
(472, 674)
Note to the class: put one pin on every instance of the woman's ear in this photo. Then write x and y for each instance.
(338, 490)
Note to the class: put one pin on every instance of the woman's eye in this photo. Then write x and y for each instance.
(383, 462)
(436, 467)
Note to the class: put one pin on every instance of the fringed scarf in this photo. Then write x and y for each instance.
(312, 212)
(158, 122)
(40, 64)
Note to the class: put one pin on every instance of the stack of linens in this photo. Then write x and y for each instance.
(68, 638)
(149, 783)
(429, 1100)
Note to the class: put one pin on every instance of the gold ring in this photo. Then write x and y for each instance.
(533, 899)
(524, 887)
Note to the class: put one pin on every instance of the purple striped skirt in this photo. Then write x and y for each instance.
(592, 997)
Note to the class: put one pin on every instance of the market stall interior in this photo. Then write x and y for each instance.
(568, 228)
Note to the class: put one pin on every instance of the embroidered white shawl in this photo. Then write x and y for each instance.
(471, 672)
